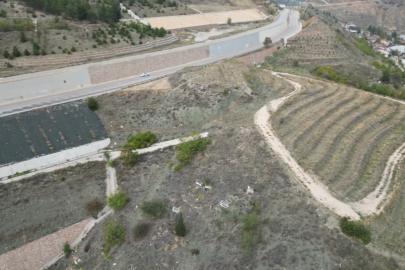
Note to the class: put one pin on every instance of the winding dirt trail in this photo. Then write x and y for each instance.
(372, 203)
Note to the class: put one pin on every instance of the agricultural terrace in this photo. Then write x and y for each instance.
(342, 135)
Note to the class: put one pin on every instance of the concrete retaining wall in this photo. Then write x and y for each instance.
(52, 159)
(259, 56)
(115, 71)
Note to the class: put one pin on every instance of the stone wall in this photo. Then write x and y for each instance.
(115, 71)
(259, 56)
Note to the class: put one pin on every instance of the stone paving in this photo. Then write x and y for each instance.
(39, 252)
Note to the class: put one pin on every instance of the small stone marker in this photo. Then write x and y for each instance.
(224, 204)
(207, 187)
(250, 190)
(176, 210)
(198, 183)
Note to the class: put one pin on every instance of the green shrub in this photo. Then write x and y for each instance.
(73, 49)
(188, 148)
(249, 240)
(66, 249)
(43, 52)
(92, 104)
(355, 229)
(364, 47)
(170, 165)
(64, 37)
(128, 155)
(94, 46)
(16, 52)
(111, 163)
(5, 26)
(3, 13)
(24, 24)
(23, 38)
(114, 235)
(180, 227)
(195, 251)
(142, 140)
(8, 65)
(117, 200)
(26, 52)
(225, 92)
(141, 230)
(251, 222)
(6, 54)
(153, 208)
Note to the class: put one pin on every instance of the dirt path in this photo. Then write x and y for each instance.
(316, 188)
(372, 203)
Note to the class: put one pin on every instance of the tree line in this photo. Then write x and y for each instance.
(80, 9)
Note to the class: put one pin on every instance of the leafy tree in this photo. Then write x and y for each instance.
(23, 38)
(26, 52)
(16, 52)
(180, 227)
(386, 76)
(114, 235)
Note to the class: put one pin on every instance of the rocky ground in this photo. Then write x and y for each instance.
(294, 232)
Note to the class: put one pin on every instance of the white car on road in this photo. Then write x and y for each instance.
(145, 75)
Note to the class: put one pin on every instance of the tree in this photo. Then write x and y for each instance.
(26, 52)
(92, 104)
(6, 54)
(16, 52)
(295, 63)
(43, 52)
(267, 42)
(229, 21)
(180, 227)
(394, 34)
(386, 76)
(23, 38)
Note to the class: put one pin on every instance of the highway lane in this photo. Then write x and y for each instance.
(76, 94)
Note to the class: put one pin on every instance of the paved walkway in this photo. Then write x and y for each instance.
(38, 253)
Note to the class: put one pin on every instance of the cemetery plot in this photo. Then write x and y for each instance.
(50, 130)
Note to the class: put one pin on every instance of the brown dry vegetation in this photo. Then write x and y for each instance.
(342, 135)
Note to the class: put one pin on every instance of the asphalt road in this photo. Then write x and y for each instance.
(76, 94)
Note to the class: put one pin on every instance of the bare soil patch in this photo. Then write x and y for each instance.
(45, 203)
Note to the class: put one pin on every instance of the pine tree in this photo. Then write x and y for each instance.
(180, 227)
(16, 52)
(23, 38)
(6, 54)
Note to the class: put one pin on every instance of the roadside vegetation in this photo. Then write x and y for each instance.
(154, 209)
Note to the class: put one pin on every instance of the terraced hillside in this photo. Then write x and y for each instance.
(342, 135)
